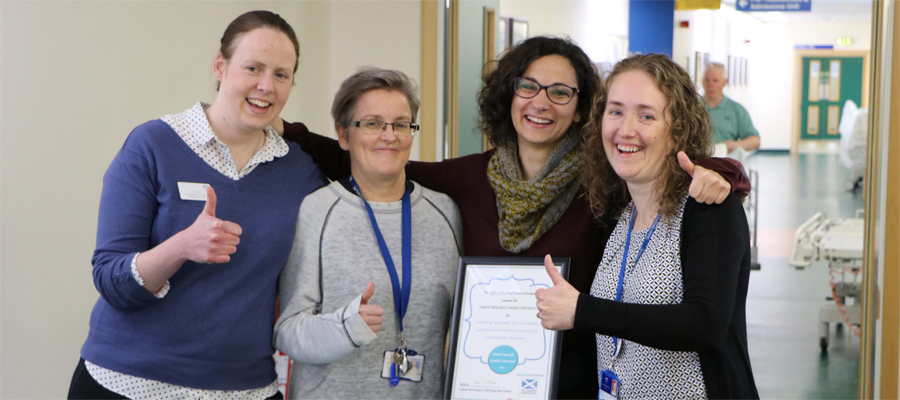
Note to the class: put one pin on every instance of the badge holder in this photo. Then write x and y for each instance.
(609, 381)
(609, 385)
(402, 364)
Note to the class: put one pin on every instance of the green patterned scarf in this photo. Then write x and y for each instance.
(528, 209)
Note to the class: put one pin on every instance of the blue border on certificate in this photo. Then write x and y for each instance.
(472, 314)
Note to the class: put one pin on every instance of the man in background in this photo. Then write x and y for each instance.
(730, 120)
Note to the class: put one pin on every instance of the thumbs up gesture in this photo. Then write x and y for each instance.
(370, 313)
(209, 239)
(706, 186)
(556, 305)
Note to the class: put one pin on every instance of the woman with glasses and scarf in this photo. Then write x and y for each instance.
(524, 197)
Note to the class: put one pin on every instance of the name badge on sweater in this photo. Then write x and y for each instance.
(192, 191)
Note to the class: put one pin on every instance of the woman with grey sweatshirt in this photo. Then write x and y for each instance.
(366, 294)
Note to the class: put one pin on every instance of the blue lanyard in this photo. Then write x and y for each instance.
(616, 348)
(401, 295)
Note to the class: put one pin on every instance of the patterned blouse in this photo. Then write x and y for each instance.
(646, 372)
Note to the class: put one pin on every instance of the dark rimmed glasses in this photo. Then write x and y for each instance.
(375, 127)
(558, 93)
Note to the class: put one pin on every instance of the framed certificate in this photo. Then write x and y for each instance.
(498, 348)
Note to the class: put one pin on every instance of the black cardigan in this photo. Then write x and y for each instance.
(711, 320)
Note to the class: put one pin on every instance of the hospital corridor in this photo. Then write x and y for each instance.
(783, 303)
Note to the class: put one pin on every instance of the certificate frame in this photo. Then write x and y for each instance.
(457, 322)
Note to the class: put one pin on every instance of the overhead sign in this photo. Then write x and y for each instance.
(698, 4)
(773, 5)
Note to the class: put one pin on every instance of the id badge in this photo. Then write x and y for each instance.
(413, 374)
(192, 191)
(609, 385)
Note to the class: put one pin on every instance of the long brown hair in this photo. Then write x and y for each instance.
(691, 132)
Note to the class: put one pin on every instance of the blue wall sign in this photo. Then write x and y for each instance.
(773, 5)
(651, 26)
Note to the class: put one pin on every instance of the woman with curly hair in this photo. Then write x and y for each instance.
(668, 300)
(524, 198)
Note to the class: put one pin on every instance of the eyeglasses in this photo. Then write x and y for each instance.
(375, 127)
(558, 93)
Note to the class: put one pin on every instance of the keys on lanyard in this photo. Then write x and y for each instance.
(403, 359)
(402, 363)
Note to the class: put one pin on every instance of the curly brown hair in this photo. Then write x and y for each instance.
(496, 95)
(691, 132)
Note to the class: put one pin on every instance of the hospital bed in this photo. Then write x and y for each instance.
(837, 242)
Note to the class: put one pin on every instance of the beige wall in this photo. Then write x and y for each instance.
(384, 34)
(75, 78)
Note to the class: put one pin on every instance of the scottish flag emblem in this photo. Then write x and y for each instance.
(529, 384)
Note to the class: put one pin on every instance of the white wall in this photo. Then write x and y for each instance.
(722, 33)
(776, 62)
(769, 95)
(597, 26)
(76, 78)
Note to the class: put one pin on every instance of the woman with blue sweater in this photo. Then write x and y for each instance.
(202, 187)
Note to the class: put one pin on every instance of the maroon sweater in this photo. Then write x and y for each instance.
(577, 234)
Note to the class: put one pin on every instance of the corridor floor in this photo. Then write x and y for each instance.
(783, 303)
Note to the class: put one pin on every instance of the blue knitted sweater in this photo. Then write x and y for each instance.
(213, 330)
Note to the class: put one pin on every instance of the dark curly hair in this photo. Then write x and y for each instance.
(496, 96)
(691, 132)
